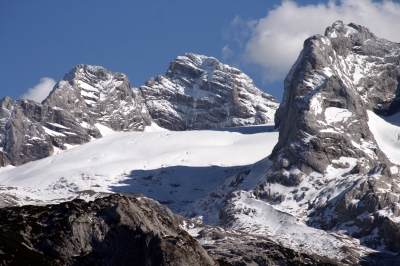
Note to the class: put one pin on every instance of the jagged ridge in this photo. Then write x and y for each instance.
(199, 92)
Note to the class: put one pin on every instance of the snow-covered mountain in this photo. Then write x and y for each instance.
(328, 165)
(95, 95)
(198, 93)
(327, 184)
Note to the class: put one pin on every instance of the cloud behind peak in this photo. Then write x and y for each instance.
(277, 39)
(40, 91)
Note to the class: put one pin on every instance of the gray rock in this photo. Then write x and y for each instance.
(22, 139)
(199, 92)
(30, 131)
(116, 230)
(93, 95)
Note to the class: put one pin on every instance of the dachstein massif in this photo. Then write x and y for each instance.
(200, 167)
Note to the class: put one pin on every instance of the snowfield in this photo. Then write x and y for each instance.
(118, 161)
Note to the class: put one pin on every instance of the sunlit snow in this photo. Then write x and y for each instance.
(386, 134)
(198, 158)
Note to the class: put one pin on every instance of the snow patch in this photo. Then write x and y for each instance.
(153, 163)
(387, 135)
(350, 31)
(334, 114)
(105, 131)
(52, 132)
(154, 128)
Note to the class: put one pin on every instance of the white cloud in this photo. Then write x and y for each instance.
(40, 91)
(226, 52)
(277, 39)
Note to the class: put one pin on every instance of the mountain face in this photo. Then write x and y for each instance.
(95, 95)
(115, 230)
(29, 131)
(326, 155)
(199, 92)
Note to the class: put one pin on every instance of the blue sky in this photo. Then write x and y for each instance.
(45, 39)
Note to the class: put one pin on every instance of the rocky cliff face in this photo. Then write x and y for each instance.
(116, 230)
(326, 155)
(29, 131)
(199, 92)
(95, 95)
(21, 139)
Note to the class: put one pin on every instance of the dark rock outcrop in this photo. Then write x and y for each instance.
(129, 230)
(116, 230)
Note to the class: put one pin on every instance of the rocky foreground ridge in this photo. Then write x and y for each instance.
(128, 230)
(114, 230)
(198, 92)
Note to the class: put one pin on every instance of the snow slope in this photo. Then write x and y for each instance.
(126, 162)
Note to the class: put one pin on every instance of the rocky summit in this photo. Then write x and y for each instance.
(326, 155)
(198, 92)
(95, 95)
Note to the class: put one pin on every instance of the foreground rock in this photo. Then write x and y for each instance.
(121, 230)
(116, 230)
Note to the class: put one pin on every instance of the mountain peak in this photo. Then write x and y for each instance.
(339, 81)
(339, 29)
(96, 95)
(327, 181)
(199, 92)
